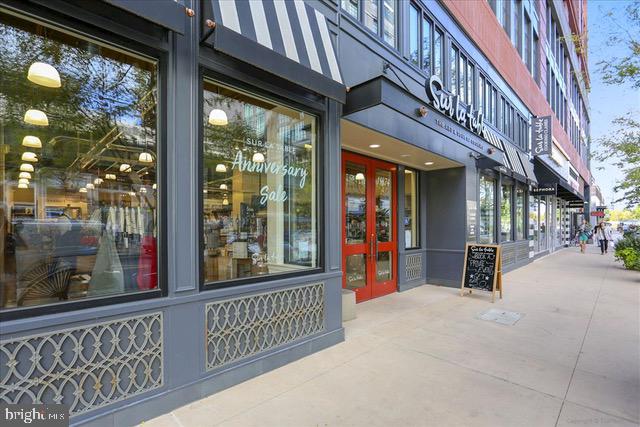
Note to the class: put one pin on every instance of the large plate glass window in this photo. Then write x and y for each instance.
(487, 209)
(78, 139)
(505, 213)
(520, 213)
(411, 218)
(259, 186)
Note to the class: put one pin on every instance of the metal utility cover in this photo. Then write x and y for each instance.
(503, 317)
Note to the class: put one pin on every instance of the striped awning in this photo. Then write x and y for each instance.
(288, 38)
(528, 167)
(514, 159)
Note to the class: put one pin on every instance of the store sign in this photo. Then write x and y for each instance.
(545, 190)
(597, 213)
(449, 104)
(541, 136)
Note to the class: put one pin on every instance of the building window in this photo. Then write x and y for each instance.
(462, 78)
(414, 35)
(470, 80)
(389, 22)
(453, 69)
(481, 101)
(505, 213)
(438, 53)
(533, 221)
(352, 7)
(487, 210)
(371, 15)
(426, 44)
(519, 213)
(494, 103)
(259, 186)
(411, 215)
(79, 129)
(374, 12)
(526, 48)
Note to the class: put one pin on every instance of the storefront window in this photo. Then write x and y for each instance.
(542, 223)
(411, 218)
(487, 210)
(519, 213)
(259, 188)
(505, 213)
(78, 158)
(533, 221)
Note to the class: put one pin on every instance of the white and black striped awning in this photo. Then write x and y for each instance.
(288, 38)
(514, 159)
(528, 167)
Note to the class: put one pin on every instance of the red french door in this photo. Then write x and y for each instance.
(369, 241)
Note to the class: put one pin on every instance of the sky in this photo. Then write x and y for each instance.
(607, 102)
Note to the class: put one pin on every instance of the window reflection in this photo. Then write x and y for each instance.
(78, 165)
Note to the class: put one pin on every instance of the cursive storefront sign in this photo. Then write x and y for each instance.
(449, 104)
(541, 135)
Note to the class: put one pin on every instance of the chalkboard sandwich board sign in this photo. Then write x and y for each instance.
(482, 269)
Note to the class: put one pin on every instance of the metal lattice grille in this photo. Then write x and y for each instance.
(85, 367)
(242, 327)
(413, 266)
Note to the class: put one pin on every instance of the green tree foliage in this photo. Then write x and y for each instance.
(621, 146)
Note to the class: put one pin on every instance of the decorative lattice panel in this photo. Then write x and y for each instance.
(413, 266)
(85, 367)
(242, 327)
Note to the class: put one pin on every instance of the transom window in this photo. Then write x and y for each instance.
(378, 16)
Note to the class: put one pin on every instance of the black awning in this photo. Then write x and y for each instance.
(165, 13)
(528, 167)
(548, 175)
(287, 38)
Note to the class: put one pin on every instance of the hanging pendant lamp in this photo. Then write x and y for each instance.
(26, 167)
(359, 176)
(25, 175)
(218, 117)
(31, 141)
(258, 157)
(90, 186)
(98, 181)
(28, 156)
(23, 181)
(221, 167)
(125, 167)
(223, 186)
(111, 176)
(82, 190)
(225, 202)
(145, 157)
(23, 185)
(44, 75)
(36, 117)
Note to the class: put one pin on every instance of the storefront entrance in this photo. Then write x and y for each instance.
(369, 241)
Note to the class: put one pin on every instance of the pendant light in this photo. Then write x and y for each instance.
(23, 181)
(143, 190)
(154, 186)
(145, 157)
(26, 167)
(28, 156)
(218, 117)
(225, 201)
(258, 157)
(308, 146)
(223, 186)
(359, 176)
(111, 176)
(26, 175)
(132, 193)
(31, 141)
(98, 181)
(36, 117)
(82, 190)
(125, 167)
(90, 186)
(221, 167)
(23, 185)
(44, 75)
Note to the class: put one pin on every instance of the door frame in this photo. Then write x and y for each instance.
(373, 289)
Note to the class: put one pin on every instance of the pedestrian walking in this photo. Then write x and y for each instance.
(584, 232)
(603, 234)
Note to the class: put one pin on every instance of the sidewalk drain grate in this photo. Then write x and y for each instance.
(503, 317)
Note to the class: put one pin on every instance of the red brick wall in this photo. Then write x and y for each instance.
(479, 22)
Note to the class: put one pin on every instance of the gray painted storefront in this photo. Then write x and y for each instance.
(185, 355)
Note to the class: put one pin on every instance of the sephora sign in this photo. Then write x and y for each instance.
(449, 104)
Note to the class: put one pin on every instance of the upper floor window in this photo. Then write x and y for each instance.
(414, 35)
(378, 16)
(427, 28)
(453, 69)
(438, 53)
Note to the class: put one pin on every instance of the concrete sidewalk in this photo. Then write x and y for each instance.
(423, 357)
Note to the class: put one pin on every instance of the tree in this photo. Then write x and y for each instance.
(622, 145)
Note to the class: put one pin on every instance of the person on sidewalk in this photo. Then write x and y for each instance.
(584, 232)
(602, 232)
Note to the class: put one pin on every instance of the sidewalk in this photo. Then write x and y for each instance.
(423, 357)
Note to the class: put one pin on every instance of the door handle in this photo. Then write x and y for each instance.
(371, 247)
(375, 246)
